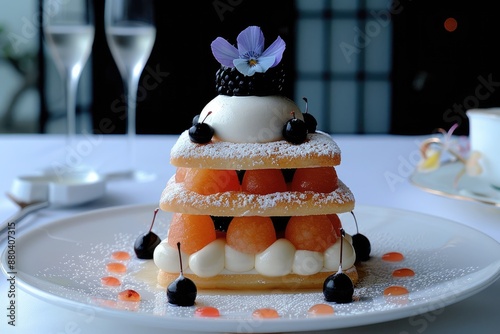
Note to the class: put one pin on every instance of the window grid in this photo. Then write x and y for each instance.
(334, 87)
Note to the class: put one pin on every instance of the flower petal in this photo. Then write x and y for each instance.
(262, 65)
(275, 50)
(243, 67)
(432, 162)
(250, 42)
(224, 52)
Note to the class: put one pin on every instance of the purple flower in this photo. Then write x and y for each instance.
(250, 56)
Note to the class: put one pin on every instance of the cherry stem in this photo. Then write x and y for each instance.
(307, 108)
(180, 257)
(342, 234)
(153, 221)
(355, 221)
(208, 113)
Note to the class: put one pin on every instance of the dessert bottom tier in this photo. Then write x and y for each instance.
(255, 252)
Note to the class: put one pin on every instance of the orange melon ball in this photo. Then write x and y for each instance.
(313, 233)
(250, 235)
(336, 223)
(263, 181)
(193, 232)
(319, 179)
(211, 181)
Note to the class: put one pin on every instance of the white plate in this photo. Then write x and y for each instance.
(442, 182)
(63, 262)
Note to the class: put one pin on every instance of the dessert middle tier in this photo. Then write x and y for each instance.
(319, 150)
(176, 198)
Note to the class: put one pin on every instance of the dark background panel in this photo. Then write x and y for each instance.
(179, 77)
(437, 74)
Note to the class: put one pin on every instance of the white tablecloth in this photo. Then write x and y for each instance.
(376, 168)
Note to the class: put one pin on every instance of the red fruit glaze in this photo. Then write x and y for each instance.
(116, 267)
(207, 311)
(265, 313)
(110, 281)
(121, 255)
(320, 309)
(395, 290)
(393, 257)
(129, 296)
(403, 272)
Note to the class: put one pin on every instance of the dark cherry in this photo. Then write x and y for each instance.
(361, 244)
(338, 287)
(146, 243)
(201, 132)
(309, 119)
(182, 291)
(195, 120)
(295, 130)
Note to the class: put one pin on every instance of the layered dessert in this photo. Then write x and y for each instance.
(255, 198)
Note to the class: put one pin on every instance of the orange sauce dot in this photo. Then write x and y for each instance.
(393, 257)
(120, 255)
(265, 313)
(395, 290)
(129, 296)
(320, 309)
(403, 272)
(110, 281)
(207, 311)
(116, 267)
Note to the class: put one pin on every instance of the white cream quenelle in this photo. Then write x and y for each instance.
(249, 119)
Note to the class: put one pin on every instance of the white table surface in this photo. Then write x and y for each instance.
(367, 161)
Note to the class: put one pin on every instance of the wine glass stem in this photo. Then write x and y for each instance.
(131, 87)
(71, 90)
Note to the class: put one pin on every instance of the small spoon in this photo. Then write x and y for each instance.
(25, 209)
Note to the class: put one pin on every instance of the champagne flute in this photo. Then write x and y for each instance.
(69, 35)
(131, 33)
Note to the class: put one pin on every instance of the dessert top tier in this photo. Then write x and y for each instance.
(250, 107)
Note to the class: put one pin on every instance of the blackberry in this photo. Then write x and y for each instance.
(229, 81)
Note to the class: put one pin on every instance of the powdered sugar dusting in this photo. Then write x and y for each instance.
(178, 199)
(318, 150)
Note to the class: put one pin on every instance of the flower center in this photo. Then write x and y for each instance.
(252, 62)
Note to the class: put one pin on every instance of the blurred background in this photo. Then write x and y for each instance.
(365, 66)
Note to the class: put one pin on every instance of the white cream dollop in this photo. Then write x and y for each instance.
(208, 261)
(279, 259)
(276, 260)
(249, 119)
(332, 255)
(167, 258)
(237, 261)
(307, 262)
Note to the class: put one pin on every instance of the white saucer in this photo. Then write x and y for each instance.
(442, 182)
